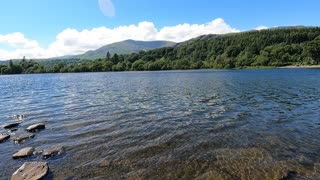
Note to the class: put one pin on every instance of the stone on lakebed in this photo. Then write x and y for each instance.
(4, 137)
(36, 127)
(19, 117)
(54, 151)
(22, 153)
(11, 125)
(31, 171)
(23, 137)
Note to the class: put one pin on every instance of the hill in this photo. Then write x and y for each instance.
(120, 48)
(123, 47)
(264, 48)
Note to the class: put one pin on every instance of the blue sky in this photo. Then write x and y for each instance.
(39, 27)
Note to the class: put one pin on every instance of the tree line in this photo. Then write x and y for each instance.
(272, 47)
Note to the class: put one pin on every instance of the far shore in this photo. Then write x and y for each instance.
(300, 66)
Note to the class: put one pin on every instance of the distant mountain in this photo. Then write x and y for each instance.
(123, 47)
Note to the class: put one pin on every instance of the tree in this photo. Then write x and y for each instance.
(108, 56)
(10, 64)
(313, 49)
(138, 65)
(24, 59)
(115, 59)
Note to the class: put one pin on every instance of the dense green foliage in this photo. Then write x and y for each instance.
(273, 47)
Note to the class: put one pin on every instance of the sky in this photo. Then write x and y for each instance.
(51, 28)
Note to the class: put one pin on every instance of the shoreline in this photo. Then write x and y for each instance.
(300, 66)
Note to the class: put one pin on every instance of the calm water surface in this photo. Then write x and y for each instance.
(239, 124)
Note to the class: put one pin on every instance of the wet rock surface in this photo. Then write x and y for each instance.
(31, 171)
(22, 137)
(36, 127)
(54, 151)
(13, 130)
(22, 153)
(11, 125)
(4, 137)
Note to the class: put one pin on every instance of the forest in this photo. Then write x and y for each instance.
(264, 48)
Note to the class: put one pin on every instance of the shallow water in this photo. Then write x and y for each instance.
(237, 124)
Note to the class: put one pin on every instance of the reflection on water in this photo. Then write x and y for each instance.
(246, 124)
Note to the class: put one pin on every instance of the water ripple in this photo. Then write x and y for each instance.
(242, 124)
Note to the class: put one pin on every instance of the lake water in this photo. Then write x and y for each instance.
(228, 124)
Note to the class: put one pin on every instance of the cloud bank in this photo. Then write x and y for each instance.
(71, 41)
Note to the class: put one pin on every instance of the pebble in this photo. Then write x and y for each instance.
(25, 152)
(4, 137)
(23, 137)
(31, 171)
(36, 127)
(54, 151)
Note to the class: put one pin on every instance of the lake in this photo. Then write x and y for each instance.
(219, 124)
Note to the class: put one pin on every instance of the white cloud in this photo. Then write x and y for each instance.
(71, 41)
(185, 31)
(261, 28)
(107, 8)
(17, 40)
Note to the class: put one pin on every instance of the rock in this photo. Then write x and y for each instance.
(4, 137)
(36, 127)
(11, 131)
(31, 171)
(19, 117)
(37, 152)
(25, 152)
(54, 151)
(305, 161)
(11, 125)
(23, 137)
(104, 163)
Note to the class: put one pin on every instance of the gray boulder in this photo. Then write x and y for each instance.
(54, 151)
(31, 171)
(23, 137)
(11, 125)
(22, 153)
(4, 137)
(36, 127)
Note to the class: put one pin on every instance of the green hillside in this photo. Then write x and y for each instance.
(124, 47)
(265, 48)
(120, 48)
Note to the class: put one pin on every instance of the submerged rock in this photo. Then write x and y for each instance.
(12, 131)
(22, 153)
(54, 151)
(36, 127)
(37, 152)
(31, 171)
(23, 137)
(104, 163)
(4, 137)
(19, 117)
(11, 125)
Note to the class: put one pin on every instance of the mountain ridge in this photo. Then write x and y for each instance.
(123, 47)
